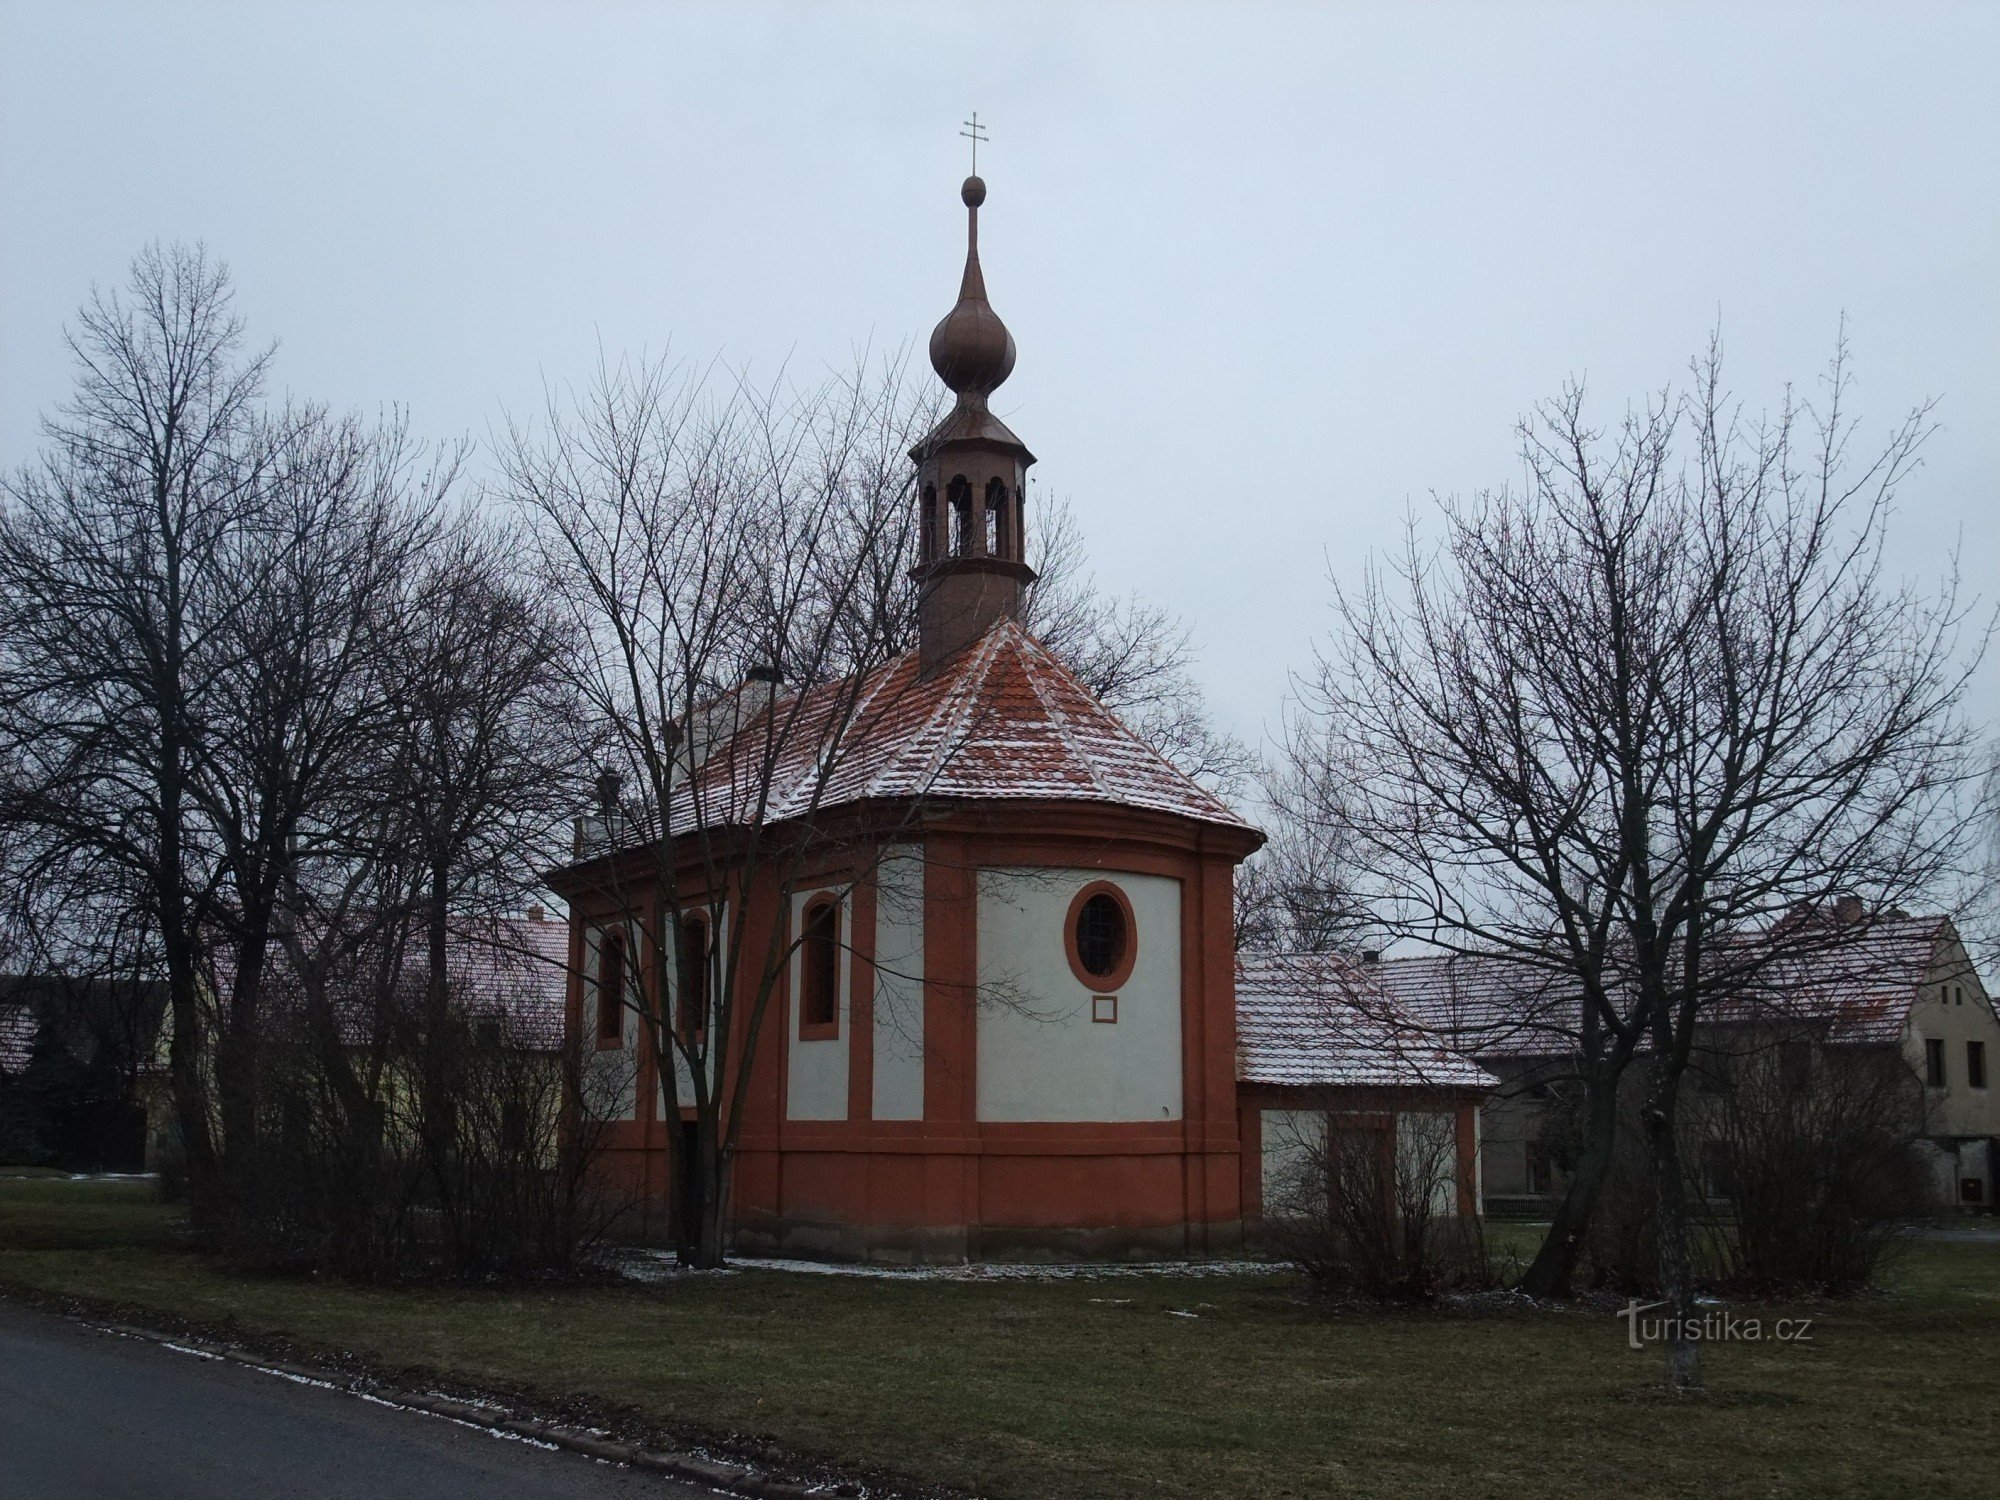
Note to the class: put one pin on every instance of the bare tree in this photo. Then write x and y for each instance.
(119, 579)
(1366, 1201)
(1625, 722)
(708, 546)
(260, 690)
(1136, 658)
(1300, 893)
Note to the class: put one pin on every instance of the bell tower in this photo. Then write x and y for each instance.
(971, 476)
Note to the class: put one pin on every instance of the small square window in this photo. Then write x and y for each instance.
(1104, 1008)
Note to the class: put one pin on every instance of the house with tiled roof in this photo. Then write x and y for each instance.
(1013, 1020)
(1892, 984)
(508, 978)
(1320, 1043)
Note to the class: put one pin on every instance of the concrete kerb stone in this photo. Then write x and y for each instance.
(731, 1478)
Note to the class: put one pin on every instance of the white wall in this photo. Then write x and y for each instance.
(816, 1081)
(1292, 1137)
(1427, 1147)
(683, 1080)
(1041, 1057)
(899, 985)
(1952, 1007)
(611, 1074)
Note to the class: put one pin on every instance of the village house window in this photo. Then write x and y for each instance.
(1975, 1064)
(1795, 1065)
(1101, 937)
(1541, 1171)
(1718, 1178)
(1934, 1062)
(819, 971)
(691, 1011)
(611, 990)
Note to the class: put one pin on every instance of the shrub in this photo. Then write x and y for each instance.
(1367, 1206)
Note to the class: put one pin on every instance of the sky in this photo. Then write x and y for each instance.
(1278, 275)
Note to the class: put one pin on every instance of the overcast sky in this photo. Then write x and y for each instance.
(1276, 274)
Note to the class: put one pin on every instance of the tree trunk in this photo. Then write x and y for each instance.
(1551, 1272)
(1683, 1350)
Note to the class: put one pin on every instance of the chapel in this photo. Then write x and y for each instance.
(1010, 1024)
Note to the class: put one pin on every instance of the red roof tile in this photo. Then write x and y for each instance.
(1859, 983)
(1318, 1020)
(1005, 720)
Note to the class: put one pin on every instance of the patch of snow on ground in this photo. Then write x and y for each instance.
(658, 1266)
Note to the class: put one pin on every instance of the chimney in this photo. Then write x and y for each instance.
(608, 783)
(1371, 955)
(1847, 910)
(721, 719)
(537, 914)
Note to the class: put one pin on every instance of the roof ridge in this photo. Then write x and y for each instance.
(972, 674)
(848, 730)
(1125, 729)
(1061, 720)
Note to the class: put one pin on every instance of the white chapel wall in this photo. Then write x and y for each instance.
(1041, 1056)
(899, 985)
(816, 1073)
(1294, 1160)
(610, 1074)
(683, 1079)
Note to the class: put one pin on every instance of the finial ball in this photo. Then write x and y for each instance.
(974, 192)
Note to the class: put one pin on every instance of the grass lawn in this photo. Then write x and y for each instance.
(1095, 1388)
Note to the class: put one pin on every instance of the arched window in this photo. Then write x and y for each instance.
(611, 989)
(691, 1011)
(819, 968)
(1102, 939)
(927, 525)
(959, 493)
(999, 535)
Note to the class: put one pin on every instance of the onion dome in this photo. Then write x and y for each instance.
(971, 349)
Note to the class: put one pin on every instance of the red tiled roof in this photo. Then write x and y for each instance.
(1860, 983)
(1005, 720)
(1318, 1020)
(514, 970)
(18, 1029)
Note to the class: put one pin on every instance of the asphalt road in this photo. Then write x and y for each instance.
(94, 1416)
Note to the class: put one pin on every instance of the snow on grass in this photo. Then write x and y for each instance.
(653, 1266)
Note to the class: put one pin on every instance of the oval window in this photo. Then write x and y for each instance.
(1101, 937)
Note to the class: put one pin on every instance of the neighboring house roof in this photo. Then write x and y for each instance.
(1319, 1020)
(1859, 982)
(18, 1029)
(511, 969)
(1005, 720)
(1486, 1006)
(522, 973)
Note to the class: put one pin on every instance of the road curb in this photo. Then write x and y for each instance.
(730, 1478)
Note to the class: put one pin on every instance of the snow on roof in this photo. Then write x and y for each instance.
(511, 969)
(18, 1028)
(1859, 982)
(1004, 720)
(518, 971)
(1319, 1020)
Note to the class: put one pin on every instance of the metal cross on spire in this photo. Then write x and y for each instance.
(973, 133)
